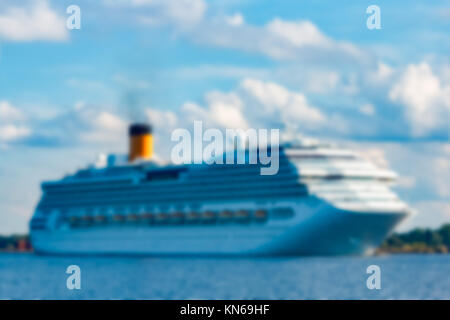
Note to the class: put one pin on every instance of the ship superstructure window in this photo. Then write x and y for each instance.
(164, 174)
(282, 213)
(164, 216)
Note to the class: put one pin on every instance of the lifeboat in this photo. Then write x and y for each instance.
(225, 215)
(242, 215)
(260, 215)
(99, 219)
(133, 217)
(208, 216)
(161, 217)
(147, 217)
(193, 216)
(177, 217)
(118, 218)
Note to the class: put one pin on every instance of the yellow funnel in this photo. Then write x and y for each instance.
(141, 142)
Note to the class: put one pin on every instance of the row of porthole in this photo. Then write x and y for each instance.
(175, 217)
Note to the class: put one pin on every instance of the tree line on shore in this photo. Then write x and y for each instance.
(15, 243)
(418, 241)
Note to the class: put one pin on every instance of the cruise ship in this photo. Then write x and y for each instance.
(322, 201)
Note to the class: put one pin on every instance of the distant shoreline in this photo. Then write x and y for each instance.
(15, 244)
(411, 249)
(421, 241)
(424, 241)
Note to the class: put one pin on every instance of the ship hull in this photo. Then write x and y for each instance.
(323, 230)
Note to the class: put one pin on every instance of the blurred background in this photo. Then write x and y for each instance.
(314, 68)
(309, 67)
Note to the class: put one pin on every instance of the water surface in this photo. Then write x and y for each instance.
(28, 276)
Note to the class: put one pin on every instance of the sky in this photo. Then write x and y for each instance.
(308, 67)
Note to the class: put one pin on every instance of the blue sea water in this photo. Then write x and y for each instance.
(28, 276)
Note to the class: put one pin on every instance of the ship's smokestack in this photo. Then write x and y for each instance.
(141, 141)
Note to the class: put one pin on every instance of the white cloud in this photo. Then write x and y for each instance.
(381, 74)
(368, 109)
(81, 124)
(223, 110)
(109, 121)
(235, 20)
(425, 97)
(165, 118)
(301, 33)
(9, 113)
(12, 126)
(269, 94)
(11, 132)
(252, 104)
(36, 21)
(276, 102)
(321, 81)
(181, 13)
(278, 39)
(325, 81)
(91, 125)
